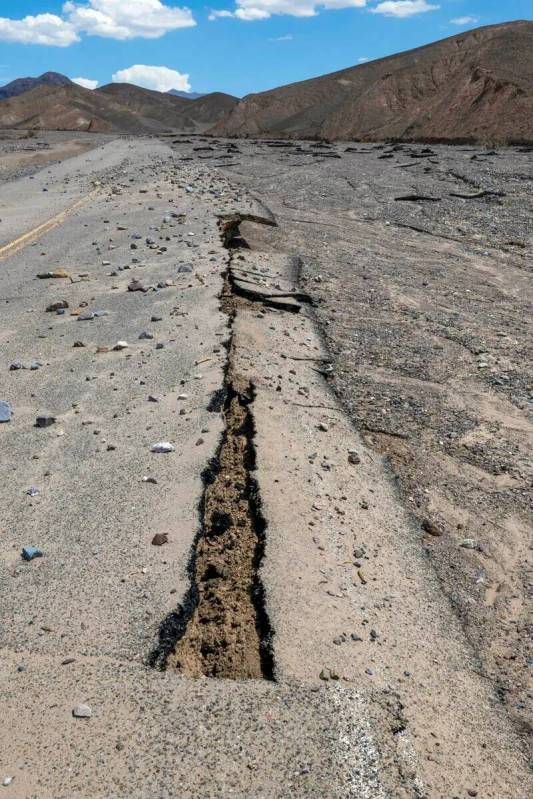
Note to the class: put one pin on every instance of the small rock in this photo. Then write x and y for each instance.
(57, 273)
(159, 539)
(82, 712)
(136, 285)
(323, 426)
(5, 411)
(7, 781)
(32, 491)
(30, 553)
(45, 421)
(324, 675)
(163, 446)
(121, 345)
(469, 543)
(353, 457)
(145, 335)
(57, 306)
(156, 319)
(431, 528)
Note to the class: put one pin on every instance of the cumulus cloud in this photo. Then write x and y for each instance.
(86, 83)
(403, 8)
(46, 29)
(464, 21)
(112, 19)
(251, 10)
(161, 79)
(117, 19)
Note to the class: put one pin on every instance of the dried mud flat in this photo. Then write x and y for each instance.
(321, 590)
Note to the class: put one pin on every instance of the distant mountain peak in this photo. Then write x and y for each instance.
(22, 85)
(185, 95)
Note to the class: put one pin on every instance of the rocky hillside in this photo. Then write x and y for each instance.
(117, 108)
(477, 86)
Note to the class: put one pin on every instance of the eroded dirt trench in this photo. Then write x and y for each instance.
(222, 629)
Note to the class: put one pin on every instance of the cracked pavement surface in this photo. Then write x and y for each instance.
(399, 657)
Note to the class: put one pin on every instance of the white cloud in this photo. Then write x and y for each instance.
(120, 19)
(403, 8)
(86, 83)
(362, 60)
(219, 15)
(287, 38)
(48, 29)
(464, 20)
(161, 79)
(251, 10)
(112, 19)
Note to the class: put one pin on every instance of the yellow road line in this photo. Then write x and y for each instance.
(32, 235)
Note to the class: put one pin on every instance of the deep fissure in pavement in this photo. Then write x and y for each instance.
(228, 634)
(222, 628)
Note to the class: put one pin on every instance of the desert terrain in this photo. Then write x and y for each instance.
(267, 468)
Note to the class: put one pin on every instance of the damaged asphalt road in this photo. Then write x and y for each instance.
(232, 598)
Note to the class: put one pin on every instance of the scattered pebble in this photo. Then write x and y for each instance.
(30, 553)
(5, 411)
(82, 712)
(45, 421)
(163, 446)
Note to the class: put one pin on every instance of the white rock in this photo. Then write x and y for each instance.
(163, 446)
(82, 712)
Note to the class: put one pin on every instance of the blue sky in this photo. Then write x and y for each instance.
(237, 46)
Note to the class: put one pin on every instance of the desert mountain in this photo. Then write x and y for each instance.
(116, 108)
(477, 86)
(21, 85)
(185, 95)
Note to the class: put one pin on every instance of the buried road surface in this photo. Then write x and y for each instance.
(266, 545)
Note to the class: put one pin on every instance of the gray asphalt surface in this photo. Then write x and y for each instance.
(80, 622)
